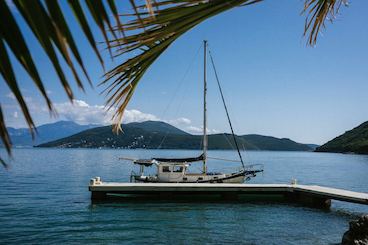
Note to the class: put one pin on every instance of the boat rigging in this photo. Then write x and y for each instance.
(175, 169)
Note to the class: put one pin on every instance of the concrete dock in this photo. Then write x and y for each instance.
(310, 195)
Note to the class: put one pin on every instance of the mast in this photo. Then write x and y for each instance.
(205, 141)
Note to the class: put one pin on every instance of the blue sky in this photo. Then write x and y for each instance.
(273, 82)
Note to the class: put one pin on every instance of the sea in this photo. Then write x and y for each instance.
(44, 199)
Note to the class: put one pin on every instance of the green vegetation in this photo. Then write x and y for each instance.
(160, 135)
(353, 141)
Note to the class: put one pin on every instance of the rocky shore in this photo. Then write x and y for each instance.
(357, 233)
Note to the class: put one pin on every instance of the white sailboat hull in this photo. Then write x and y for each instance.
(174, 170)
(238, 177)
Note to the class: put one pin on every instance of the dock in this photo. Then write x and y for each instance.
(310, 195)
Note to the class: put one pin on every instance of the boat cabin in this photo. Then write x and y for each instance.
(171, 172)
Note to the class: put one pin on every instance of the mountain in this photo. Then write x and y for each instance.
(157, 127)
(160, 135)
(353, 141)
(275, 144)
(46, 133)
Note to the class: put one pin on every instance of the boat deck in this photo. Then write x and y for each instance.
(308, 194)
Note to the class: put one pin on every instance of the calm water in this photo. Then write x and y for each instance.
(44, 199)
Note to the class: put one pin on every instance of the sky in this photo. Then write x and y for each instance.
(273, 82)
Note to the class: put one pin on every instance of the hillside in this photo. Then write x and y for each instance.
(275, 144)
(160, 135)
(157, 127)
(353, 141)
(46, 133)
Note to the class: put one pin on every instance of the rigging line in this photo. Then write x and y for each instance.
(176, 91)
(228, 141)
(227, 113)
(223, 159)
(192, 61)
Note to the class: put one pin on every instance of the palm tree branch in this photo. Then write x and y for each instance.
(317, 12)
(79, 14)
(159, 32)
(6, 71)
(151, 28)
(4, 137)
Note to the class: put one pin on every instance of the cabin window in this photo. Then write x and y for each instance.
(200, 178)
(178, 169)
(166, 169)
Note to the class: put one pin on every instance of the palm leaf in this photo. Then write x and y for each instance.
(62, 27)
(151, 29)
(11, 34)
(4, 136)
(79, 14)
(41, 25)
(318, 12)
(99, 14)
(154, 31)
(52, 33)
(6, 71)
(154, 34)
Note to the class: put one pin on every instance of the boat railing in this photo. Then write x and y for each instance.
(256, 168)
(253, 166)
(132, 175)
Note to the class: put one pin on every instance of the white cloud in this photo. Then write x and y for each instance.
(10, 96)
(194, 130)
(83, 113)
(138, 116)
(214, 131)
(80, 103)
(28, 99)
(199, 130)
(180, 121)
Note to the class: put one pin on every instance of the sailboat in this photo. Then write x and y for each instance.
(175, 170)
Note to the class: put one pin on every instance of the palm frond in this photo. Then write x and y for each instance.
(79, 14)
(152, 27)
(47, 23)
(318, 11)
(5, 136)
(152, 33)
